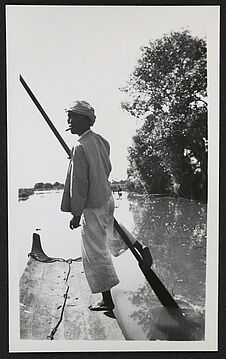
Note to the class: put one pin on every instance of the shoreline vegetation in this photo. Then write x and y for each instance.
(25, 193)
(120, 186)
(167, 91)
(117, 186)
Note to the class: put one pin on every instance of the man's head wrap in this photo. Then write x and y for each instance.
(83, 108)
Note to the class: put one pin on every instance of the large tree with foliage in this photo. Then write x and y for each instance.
(168, 89)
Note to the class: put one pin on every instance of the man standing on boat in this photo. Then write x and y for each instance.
(87, 191)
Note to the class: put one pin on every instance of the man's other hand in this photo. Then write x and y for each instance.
(74, 222)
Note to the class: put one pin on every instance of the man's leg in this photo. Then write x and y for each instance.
(97, 262)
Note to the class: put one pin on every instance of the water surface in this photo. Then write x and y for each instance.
(175, 231)
(173, 228)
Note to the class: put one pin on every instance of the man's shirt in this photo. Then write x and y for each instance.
(87, 184)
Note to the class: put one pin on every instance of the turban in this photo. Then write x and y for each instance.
(83, 108)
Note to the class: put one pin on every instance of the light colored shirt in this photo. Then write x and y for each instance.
(87, 184)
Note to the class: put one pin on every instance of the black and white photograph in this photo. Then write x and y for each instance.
(113, 177)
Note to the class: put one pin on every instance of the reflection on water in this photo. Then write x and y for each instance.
(162, 323)
(175, 231)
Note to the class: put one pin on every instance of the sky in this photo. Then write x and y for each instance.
(66, 53)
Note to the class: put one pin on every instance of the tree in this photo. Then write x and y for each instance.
(57, 186)
(38, 185)
(48, 186)
(134, 182)
(168, 89)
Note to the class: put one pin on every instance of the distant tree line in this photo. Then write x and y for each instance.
(48, 186)
(168, 90)
(24, 193)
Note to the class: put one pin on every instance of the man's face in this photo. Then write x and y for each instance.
(78, 123)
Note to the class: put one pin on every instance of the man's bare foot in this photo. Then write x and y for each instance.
(100, 306)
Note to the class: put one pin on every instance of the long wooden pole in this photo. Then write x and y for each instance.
(161, 292)
(46, 117)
